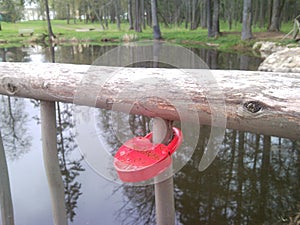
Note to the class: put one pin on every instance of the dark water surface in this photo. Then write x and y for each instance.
(87, 54)
(255, 179)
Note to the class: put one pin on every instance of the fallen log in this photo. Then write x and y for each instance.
(259, 102)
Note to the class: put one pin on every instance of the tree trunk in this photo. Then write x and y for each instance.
(105, 13)
(155, 23)
(240, 12)
(261, 14)
(117, 12)
(149, 15)
(247, 20)
(193, 15)
(230, 11)
(130, 20)
(68, 13)
(99, 16)
(256, 12)
(213, 18)
(276, 15)
(50, 31)
(137, 22)
(203, 15)
(187, 14)
(112, 12)
(235, 14)
(74, 11)
(209, 18)
(269, 12)
(216, 14)
(143, 14)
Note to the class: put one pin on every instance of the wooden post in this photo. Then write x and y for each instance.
(164, 191)
(51, 163)
(7, 211)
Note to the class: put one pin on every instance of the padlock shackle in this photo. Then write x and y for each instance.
(175, 142)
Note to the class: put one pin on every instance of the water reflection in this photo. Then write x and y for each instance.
(14, 128)
(17, 142)
(70, 166)
(87, 54)
(231, 61)
(138, 202)
(14, 54)
(254, 179)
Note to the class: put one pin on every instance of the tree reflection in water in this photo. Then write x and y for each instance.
(14, 118)
(139, 205)
(70, 167)
(254, 180)
(139, 202)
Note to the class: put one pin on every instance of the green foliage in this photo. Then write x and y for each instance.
(93, 33)
(11, 10)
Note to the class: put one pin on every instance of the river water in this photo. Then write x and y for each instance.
(253, 180)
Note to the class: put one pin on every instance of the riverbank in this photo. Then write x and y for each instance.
(279, 58)
(11, 35)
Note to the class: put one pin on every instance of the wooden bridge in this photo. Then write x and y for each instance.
(259, 102)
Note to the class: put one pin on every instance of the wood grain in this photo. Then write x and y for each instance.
(260, 102)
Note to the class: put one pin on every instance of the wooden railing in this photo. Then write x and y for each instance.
(260, 102)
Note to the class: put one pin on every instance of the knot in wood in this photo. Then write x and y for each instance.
(45, 85)
(254, 109)
(10, 85)
(11, 88)
(253, 106)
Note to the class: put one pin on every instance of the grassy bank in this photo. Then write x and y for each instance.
(81, 32)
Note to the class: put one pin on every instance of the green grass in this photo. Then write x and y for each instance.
(67, 32)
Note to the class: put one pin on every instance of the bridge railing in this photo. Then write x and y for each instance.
(259, 102)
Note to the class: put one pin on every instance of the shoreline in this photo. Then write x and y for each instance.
(228, 41)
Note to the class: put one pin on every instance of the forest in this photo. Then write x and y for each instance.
(190, 14)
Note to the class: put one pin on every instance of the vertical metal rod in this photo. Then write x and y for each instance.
(7, 211)
(164, 191)
(51, 163)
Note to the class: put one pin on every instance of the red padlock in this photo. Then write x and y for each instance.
(138, 159)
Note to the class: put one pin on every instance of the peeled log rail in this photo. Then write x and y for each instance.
(259, 102)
